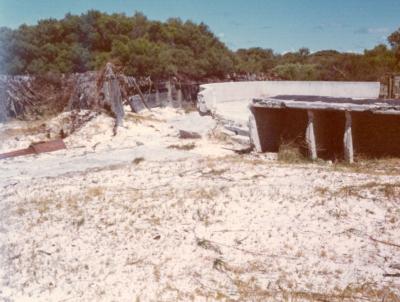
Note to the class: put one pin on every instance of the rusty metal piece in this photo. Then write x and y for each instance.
(16, 153)
(42, 147)
(36, 148)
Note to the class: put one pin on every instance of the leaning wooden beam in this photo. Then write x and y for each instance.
(348, 139)
(310, 136)
(179, 92)
(112, 93)
(169, 88)
(141, 95)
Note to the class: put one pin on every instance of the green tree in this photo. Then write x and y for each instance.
(296, 72)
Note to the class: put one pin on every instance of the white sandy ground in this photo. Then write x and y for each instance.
(125, 218)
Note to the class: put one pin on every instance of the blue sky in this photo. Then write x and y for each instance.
(283, 25)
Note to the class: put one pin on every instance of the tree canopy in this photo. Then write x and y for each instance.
(144, 47)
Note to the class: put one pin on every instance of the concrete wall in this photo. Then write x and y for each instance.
(277, 126)
(230, 100)
(376, 135)
(329, 131)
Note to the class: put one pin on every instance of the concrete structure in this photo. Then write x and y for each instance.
(229, 101)
(327, 127)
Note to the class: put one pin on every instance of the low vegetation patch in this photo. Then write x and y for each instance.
(290, 152)
(139, 118)
(386, 190)
(186, 147)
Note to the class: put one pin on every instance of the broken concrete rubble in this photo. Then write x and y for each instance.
(188, 134)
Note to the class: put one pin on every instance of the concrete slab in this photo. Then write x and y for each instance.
(229, 101)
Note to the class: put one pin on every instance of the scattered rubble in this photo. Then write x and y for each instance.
(189, 134)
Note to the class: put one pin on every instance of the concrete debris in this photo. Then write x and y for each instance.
(189, 134)
(240, 149)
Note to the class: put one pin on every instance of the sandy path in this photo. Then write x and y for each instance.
(192, 226)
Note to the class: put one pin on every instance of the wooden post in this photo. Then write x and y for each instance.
(179, 92)
(169, 87)
(390, 87)
(158, 103)
(348, 140)
(310, 136)
(142, 98)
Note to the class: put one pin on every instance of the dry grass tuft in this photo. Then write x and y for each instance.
(204, 193)
(321, 191)
(381, 166)
(189, 107)
(25, 131)
(139, 118)
(138, 160)
(290, 152)
(186, 147)
(249, 290)
(388, 190)
(208, 245)
(96, 191)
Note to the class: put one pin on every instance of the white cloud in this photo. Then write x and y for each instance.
(372, 30)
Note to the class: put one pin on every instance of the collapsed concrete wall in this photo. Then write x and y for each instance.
(230, 100)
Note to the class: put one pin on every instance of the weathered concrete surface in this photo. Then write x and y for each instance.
(230, 100)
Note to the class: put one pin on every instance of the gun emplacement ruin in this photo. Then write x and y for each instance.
(330, 127)
(328, 120)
